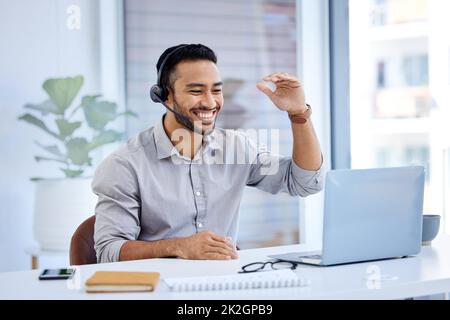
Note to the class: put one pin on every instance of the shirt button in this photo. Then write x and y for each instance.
(198, 194)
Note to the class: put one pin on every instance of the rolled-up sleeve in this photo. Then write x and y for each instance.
(118, 207)
(274, 174)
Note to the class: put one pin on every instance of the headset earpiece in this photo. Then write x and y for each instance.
(156, 94)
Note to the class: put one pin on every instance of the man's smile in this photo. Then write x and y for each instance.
(206, 116)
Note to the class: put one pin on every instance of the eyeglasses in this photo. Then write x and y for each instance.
(276, 265)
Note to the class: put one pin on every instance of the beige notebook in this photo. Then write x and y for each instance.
(111, 281)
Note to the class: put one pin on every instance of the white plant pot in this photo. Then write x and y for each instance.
(60, 206)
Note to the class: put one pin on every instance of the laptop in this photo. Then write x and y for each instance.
(369, 215)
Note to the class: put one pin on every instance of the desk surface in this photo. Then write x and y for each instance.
(426, 274)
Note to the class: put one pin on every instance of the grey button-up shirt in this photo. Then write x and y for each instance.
(148, 191)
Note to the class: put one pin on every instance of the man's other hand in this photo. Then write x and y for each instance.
(206, 245)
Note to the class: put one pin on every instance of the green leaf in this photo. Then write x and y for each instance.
(52, 149)
(72, 173)
(105, 137)
(45, 107)
(99, 113)
(89, 99)
(36, 179)
(39, 159)
(84, 102)
(62, 91)
(78, 151)
(128, 113)
(67, 128)
(38, 123)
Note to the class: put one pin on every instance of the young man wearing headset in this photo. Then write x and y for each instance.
(164, 195)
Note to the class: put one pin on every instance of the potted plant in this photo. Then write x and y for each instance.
(61, 204)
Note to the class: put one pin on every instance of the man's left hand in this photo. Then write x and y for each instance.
(289, 94)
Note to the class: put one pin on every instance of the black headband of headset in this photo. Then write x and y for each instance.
(163, 63)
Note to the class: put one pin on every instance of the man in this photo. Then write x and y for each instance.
(163, 195)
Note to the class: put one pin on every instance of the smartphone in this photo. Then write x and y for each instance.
(56, 274)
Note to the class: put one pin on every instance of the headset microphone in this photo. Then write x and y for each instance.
(186, 121)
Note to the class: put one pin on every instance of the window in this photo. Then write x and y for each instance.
(416, 70)
(399, 98)
(252, 39)
(381, 75)
(379, 14)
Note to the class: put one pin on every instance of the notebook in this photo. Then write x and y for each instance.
(257, 280)
(110, 281)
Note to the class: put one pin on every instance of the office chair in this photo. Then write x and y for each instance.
(82, 244)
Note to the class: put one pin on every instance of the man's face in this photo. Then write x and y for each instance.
(197, 92)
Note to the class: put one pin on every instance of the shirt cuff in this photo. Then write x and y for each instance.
(111, 252)
(312, 178)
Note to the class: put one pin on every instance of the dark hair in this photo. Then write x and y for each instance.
(191, 52)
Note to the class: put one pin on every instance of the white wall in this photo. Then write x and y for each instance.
(35, 44)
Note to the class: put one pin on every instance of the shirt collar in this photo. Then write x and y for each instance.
(165, 148)
(162, 142)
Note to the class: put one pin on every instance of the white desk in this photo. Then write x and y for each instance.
(426, 274)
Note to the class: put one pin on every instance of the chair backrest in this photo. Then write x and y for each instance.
(82, 249)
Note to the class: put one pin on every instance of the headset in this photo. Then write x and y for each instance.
(159, 93)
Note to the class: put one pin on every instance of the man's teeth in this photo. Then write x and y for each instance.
(205, 115)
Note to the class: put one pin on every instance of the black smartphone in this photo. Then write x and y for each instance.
(56, 274)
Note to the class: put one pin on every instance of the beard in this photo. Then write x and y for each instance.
(187, 122)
